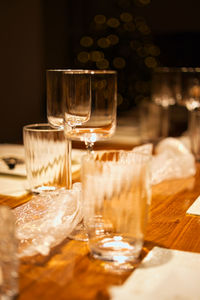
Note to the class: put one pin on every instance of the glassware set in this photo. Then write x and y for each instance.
(115, 193)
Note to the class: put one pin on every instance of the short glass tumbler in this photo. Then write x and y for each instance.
(47, 157)
(116, 197)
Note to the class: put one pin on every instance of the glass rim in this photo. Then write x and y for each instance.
(82, 71)
(46, 127)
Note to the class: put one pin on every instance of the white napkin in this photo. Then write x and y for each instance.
(173, 160)
(164, 275)
(13, 186)
(194, 209)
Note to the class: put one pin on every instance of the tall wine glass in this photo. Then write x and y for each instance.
(101, 123)
(76, 109)
(166, 91)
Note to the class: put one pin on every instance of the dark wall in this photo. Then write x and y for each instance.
(21, 53)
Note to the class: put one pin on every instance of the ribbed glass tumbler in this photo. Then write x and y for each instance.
(116, 197)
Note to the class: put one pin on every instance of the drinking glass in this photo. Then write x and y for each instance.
(68, 98)
(166, 91)
(47, 157)
(190, 96)
(116, 197)
(100, 124)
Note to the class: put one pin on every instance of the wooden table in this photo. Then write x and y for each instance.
(70, 273)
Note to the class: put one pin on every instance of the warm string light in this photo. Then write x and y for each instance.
(122, 42)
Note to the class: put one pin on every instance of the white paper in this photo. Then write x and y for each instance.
(194, 209)
(164, 274)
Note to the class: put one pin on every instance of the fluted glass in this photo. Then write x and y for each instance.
(47, 157)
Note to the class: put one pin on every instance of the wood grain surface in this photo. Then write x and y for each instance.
(69, 272)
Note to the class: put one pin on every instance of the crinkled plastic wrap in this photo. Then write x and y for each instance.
(47, 219)
(172, 160)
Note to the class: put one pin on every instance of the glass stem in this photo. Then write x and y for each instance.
(165, 122)
(89, 146)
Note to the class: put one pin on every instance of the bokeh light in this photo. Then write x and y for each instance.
(83, 57)
(100, 19)
(103, 64)
(150, 62)
(96, 56)
(119, 62)
(113, 22)
(103, 42)
(86, 41)
(113, 39)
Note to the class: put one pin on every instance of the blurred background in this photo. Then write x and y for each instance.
(130, 36)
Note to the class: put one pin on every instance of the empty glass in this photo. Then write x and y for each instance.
(69, 100)
(190, 96)
(100, 122)
(116, 198)
(166, 91)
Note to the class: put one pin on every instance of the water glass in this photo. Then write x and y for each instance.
(101, 123)
(116, 198)
(47, 158)
(166, 91)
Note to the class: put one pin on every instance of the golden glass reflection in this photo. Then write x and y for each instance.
(83, 57)
(119, 62)
(86, 41)
(100, 19)
(113, 22)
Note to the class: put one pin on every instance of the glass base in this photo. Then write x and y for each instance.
(119, 252)
(79, 233)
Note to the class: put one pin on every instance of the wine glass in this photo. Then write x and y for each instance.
(166, 91)
(89, 126)
(101, 122)
(68, 96)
